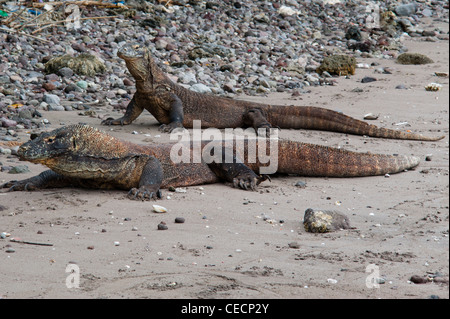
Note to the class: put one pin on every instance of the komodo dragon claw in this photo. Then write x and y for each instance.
(144, 193)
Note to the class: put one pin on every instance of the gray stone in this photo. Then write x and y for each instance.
(82, 85)
(20, 169)
(200, 88)
(4, 79)
(406, 10)
(65, 72)
(55, 107)
(323, 221)
(52, 99)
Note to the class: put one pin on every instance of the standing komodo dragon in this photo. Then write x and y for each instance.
(80, 155)
(175, 106)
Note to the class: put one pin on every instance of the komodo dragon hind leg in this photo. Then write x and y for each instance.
(257, 119)
(132, 112)
(150, 180)
(232, 169)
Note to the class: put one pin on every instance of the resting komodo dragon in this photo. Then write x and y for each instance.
(80, 155)
(175, 106)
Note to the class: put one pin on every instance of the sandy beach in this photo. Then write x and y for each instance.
(243, 244)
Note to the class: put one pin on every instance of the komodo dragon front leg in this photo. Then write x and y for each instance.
(132, 113)
(162, 103)
(46, 179)
(150, 180)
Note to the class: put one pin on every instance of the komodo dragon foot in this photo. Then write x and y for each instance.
(146, 192)
(249, 182)
(169, 128)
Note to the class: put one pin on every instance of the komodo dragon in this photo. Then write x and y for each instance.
(175, 106)
(80, 155)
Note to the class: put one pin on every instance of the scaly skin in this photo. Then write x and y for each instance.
(175, 106)
(79, 155)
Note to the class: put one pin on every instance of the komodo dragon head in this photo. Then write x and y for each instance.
(70, 147)
(48, 146)
(138, 60)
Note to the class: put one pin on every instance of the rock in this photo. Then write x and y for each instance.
(56, 107)
(82, 85)
(418, 279)
(52, 99)
(406, 10)
(7, 122)
(338, 64)
(4, 79)
(413, 58)
(128, 82)
(162, 226)
(368, 79)
(371, 116)
(20, 169)
(161, 44)
(300, 184)
(188, 78)
(65, 72)
(72, 87)
(179, 220)
(323, 221)
(285, 11)
(49, 86)
(294, 245)
(200, 88)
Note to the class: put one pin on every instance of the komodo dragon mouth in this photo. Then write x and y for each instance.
(131, 50)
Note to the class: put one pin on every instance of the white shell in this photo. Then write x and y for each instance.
(159, 209)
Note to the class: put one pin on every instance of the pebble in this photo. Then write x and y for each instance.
(368, 79)
(406, 9)
(323, 221)
(162, 226)
(20, 169)
(246, 47)
(294, 245)
(371, 116)
(52, 99)
(300, 184)
(180, 220)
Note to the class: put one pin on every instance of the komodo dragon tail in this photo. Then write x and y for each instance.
(316, 160)
(309, 117)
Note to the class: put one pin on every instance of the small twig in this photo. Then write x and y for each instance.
(34, 19)
(25, 34)
(54, 23)
(82, 3)
(29, 242)
(14, 16)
